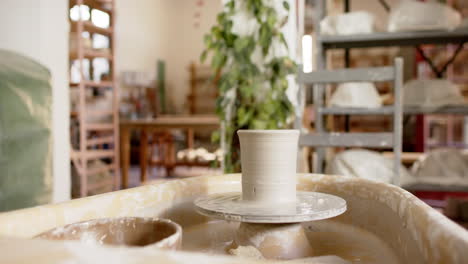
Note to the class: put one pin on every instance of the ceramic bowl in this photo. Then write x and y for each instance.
(124, 231)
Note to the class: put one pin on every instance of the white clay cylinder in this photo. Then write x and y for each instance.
(269, 165)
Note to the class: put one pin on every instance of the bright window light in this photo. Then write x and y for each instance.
(100, 19)
(101, 67)
(307, 53)
(100, 41)
(75, 12)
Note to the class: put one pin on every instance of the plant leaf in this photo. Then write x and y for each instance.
(203, 56)
(215, 136)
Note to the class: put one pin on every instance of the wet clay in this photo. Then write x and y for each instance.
(326, 238)
(274, 241)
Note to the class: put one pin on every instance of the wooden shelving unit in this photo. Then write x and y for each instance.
(98, 140)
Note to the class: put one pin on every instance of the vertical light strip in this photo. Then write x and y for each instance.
(307, 53)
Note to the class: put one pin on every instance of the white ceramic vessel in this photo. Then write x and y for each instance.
(269, 193)
(269, 165)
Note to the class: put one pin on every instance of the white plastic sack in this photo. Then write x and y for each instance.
(413, 15)
(431, 93)
(464, 23)
(365, 164)
(356, 94)
(444, 167)
(359, 22)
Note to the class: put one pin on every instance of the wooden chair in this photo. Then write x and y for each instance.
(203, 90)
(322, 138)
(165, 155)
(162, 141)
(202, 95)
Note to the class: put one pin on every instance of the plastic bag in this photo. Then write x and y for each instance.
(431, 93)
(359, 22)
(443, 167)
(25, 132)
(365, 164)
(416, 15)
(356, 94)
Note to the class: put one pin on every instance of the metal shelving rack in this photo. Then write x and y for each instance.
(388, 39)
(97, 140)
(382, 39)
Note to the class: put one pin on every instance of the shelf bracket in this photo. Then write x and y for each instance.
(440, 72)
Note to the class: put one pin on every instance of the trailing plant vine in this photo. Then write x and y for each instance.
(248, 48)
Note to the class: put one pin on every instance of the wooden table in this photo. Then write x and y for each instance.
(165, 122)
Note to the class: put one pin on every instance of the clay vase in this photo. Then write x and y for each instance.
(268, 159)
(124, 231)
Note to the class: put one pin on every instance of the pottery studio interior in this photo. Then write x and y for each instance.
(234, 131)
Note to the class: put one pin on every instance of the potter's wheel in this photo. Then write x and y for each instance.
(269, 207)
(309, 206)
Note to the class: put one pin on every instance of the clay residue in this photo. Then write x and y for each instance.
(246, 252)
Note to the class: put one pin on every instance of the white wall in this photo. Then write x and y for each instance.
(187, 43)
(142, 32)
(39, 29)
(142, 36)
(148, 30)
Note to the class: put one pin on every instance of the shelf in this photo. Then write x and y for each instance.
(459, 110)
(387, 110)
(156, 162)
(427, 187)
(101, 184)
(100, 141)
(92, 84)
(105, 6)
(382, 39)
(96, 126)
(92, 54)
(88, 26)
(336, 139)
(99, 154)
(406, 157)
(100, 169)
(99, 126)
(99, 113)
(100, 84)
(459, 145)
(92, 154)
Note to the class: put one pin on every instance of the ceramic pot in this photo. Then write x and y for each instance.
(268, 159)
(124, 231)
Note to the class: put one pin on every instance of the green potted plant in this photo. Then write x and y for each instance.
(248, 48)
